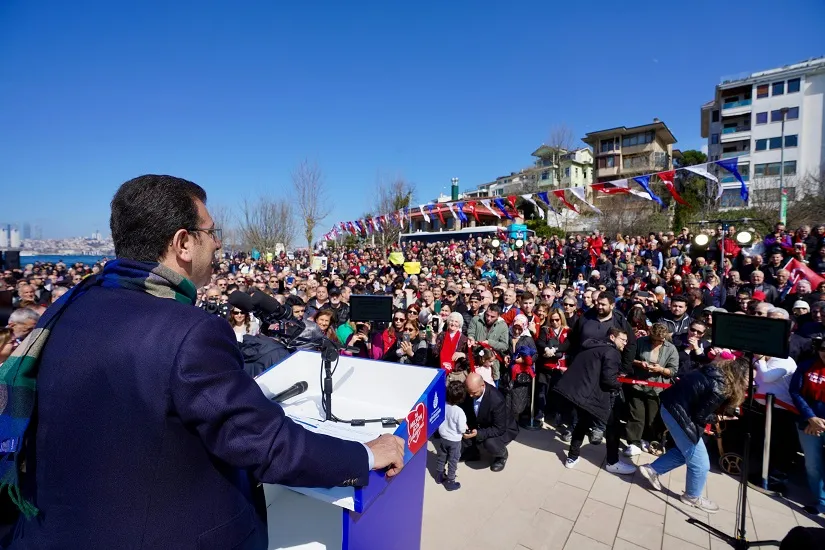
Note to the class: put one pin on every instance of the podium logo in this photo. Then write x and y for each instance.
(417, 427)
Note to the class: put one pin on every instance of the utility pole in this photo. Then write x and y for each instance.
(783, 199)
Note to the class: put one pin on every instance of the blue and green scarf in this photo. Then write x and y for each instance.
(18, 374)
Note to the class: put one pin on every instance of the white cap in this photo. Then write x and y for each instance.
(801, 304)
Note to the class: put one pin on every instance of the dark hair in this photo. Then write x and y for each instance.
(456, 393)
(527, 295)
(615, 331)
(147, 212)
(495, 308)
(607, 295)
(681, 298)
(293, 300)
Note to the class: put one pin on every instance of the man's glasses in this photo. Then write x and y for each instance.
(216, 232)
(566, 304)
(546, 295)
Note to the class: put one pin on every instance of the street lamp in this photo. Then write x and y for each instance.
(783, 200)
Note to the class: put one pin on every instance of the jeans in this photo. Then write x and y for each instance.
(812, 446)
(695, 455)
(448, 453)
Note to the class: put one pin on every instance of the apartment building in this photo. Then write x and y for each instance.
(626, 152)
(554, 167)
(745, 120)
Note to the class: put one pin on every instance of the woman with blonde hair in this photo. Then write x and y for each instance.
(687, 406)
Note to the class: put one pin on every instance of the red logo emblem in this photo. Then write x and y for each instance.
(417, 428)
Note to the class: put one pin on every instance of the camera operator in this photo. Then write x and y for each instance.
(212, 303)
(361, 340)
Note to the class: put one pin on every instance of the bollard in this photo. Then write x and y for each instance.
(766, 446)
(532, 425)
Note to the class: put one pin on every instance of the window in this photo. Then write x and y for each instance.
(607, 162)
(714, 139)
(790, 167)
(762, 91)
(575, 171)
(778, 88)
(793, 113)
(775, 143)
(791, 141)
(567, 172)
(638, 139)
(545, 174)
(761, 144)
(776, 116)
(769, 169)
(714, 116)
(731, 198)
(762, 118)
(793, 85)
(607, 145)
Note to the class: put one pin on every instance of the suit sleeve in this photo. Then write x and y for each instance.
(213, 396)
(498, 424)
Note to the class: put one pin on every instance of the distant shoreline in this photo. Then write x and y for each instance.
(69, 259)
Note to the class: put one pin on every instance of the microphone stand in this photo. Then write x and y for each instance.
(329, 354)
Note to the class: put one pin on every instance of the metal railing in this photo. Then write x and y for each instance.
(734, 104)
(734, 154)
(736, 129)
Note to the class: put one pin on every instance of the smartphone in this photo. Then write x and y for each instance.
(290, 280)
(407, 338)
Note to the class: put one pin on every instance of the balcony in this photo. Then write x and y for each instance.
(733, 108)
(736, 129)
(732, 179)
(735, 104)
(734, 154)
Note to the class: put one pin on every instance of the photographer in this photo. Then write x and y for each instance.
(361, 339)
(213, 305)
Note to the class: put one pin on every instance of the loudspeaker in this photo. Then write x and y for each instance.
(11, 259)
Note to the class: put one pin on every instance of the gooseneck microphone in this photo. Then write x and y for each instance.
(296, 389)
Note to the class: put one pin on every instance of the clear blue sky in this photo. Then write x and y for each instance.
(232, 95)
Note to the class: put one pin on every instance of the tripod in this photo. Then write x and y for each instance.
(739, 541)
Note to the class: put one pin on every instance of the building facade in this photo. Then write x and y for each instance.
(626, 152)
(745, 118)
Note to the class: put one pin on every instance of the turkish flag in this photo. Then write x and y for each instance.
(800, 271)
(603, 187)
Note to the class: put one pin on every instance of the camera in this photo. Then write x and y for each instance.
(215, 307)
(816, 343)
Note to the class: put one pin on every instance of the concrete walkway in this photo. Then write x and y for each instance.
(537, 504)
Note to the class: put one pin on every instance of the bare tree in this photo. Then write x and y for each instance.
(560, 143)
(267, 222)
(629, 214)
(224, 218)
(311, 197)
(392, 193)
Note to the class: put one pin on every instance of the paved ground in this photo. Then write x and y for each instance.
(535, 503)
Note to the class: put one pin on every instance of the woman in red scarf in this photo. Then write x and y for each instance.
(550, 360)
(450, 343)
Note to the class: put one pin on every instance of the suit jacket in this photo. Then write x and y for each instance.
(148, 428)
(492, 419)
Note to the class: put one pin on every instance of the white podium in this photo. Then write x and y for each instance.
(387, 513)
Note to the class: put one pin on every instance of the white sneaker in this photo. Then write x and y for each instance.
(570, 463)
(645, 446)
(621, 468)
(702, 503)
(651, 476)
(632, 450)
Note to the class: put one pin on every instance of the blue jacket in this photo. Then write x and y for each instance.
(148, 428)
(807, 407)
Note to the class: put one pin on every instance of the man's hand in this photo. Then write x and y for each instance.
(815, 426)
(470, 435)
(388, 452)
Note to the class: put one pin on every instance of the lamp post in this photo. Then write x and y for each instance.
(783, 199)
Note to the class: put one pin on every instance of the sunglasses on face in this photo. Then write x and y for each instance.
(695, 330)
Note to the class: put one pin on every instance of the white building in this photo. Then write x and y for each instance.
(14, 237)
(745, 120)
(4, 236)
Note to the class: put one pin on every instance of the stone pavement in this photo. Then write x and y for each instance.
(537, 504)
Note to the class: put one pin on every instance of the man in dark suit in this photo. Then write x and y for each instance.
(147, 427)
(488, 421)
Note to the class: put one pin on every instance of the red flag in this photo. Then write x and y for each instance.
(603, 187)
(799, 271)
(440, 215)
(667, 179)
(512, 200)
(472, 206)
(560, 195)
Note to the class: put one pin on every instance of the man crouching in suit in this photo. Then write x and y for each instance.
(488, 423)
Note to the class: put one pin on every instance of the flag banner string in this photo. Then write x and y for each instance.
(496, 206)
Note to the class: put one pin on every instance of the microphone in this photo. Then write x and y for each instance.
(296, 389)
(242, 301)
(269, 305)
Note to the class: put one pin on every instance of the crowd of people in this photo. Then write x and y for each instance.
(540, 331)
